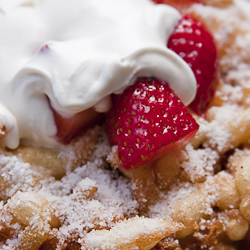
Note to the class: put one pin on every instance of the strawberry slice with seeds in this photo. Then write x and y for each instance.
(191, 41)
(150, 121)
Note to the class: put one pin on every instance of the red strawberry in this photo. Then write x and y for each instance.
(111, 122)
(69, 128)
(151, 120)
(191, 41)
(170, 2)
(181, 5)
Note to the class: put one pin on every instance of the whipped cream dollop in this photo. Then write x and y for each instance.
(77, 53)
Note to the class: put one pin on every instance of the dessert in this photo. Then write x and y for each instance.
(46, 45)
(67, 181)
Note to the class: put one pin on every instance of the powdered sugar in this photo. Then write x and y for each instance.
(201, 162)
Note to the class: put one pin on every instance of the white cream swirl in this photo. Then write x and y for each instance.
(77, 53)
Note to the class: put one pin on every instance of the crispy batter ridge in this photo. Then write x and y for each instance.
(136, 233)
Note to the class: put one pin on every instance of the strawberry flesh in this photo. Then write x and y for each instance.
(181, 5)
(70, 127)
(150, 121)
(111, 124)
(191, 41)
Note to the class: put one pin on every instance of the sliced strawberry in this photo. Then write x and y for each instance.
(191, 41)
(181, 5)
(172, 2)
(70, 127)
(151, 120)
(112, 124)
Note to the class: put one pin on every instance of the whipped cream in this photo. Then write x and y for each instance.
(77, 53)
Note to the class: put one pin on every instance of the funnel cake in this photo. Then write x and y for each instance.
(78, 195)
